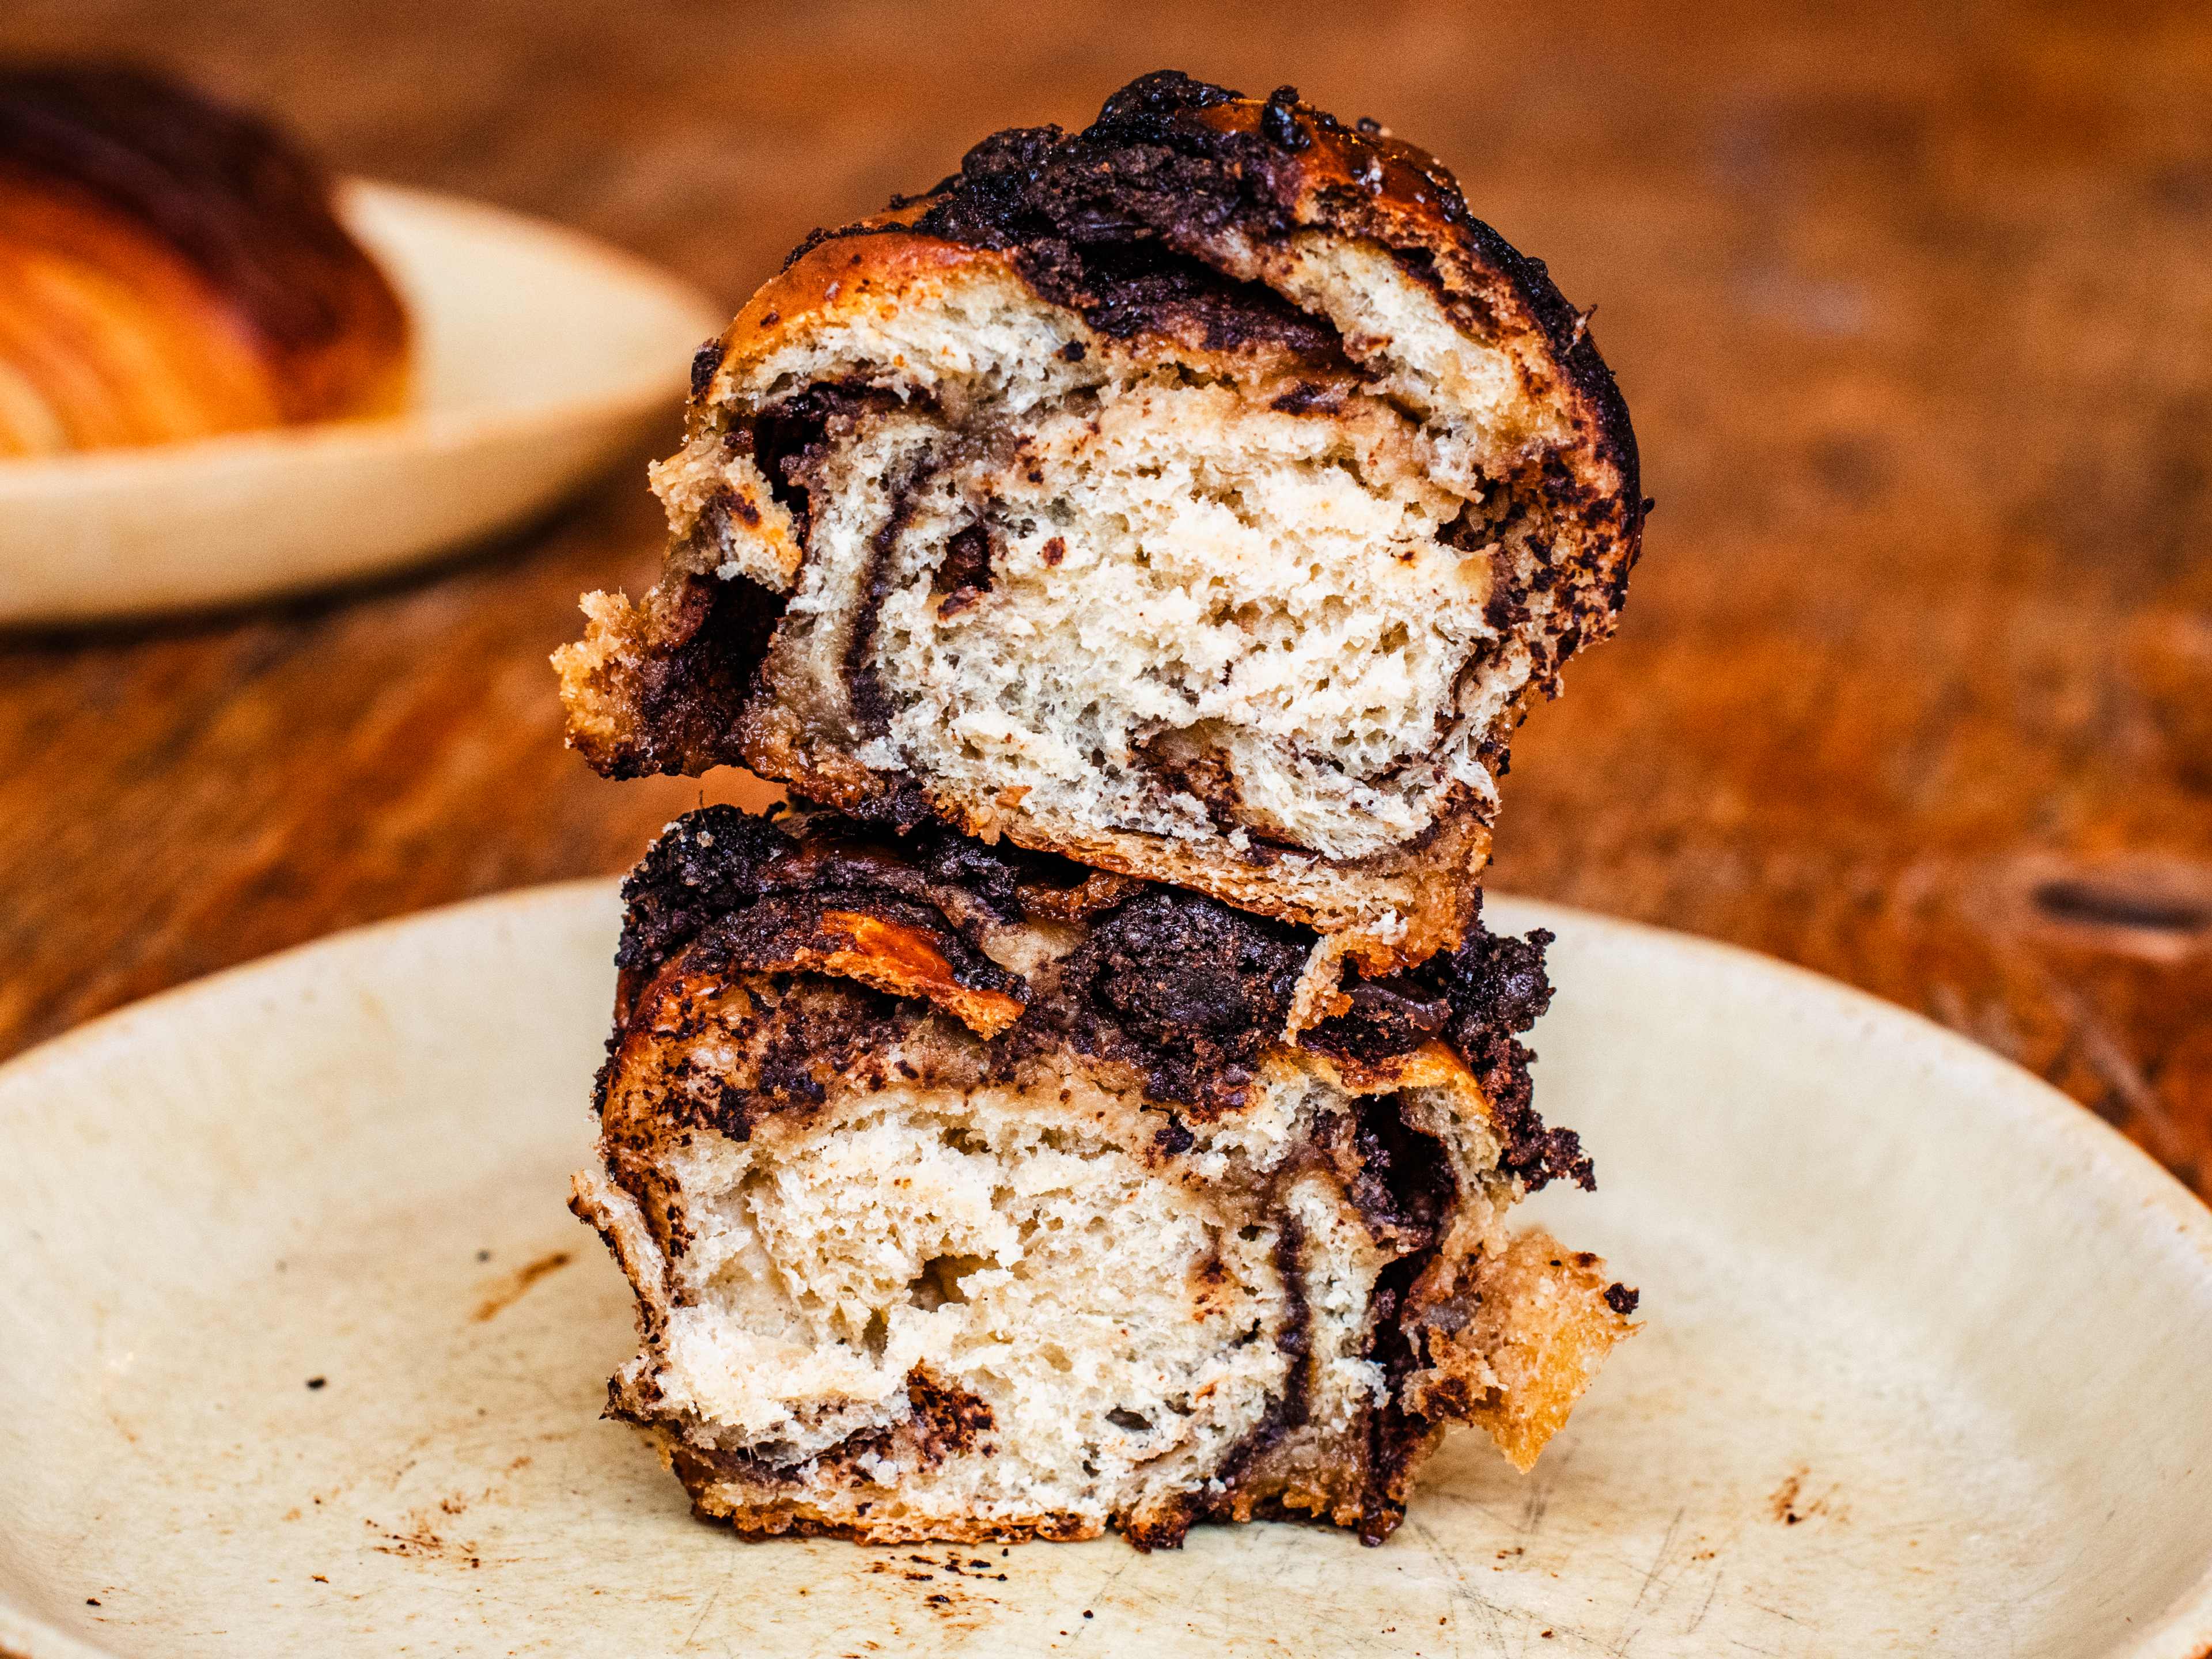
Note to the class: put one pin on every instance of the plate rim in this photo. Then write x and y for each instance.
(2028, 1101)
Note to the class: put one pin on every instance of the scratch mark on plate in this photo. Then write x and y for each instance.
(1711, 1590)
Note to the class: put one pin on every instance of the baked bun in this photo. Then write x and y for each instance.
(172, 269)
(1205, 496)
(969, 1194)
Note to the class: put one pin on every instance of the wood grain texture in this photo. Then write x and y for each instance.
(1914, 314)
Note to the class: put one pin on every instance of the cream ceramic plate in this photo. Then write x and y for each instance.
(1926, 1369)
(540, 357)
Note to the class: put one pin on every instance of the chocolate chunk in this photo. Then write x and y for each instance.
(1186, 988)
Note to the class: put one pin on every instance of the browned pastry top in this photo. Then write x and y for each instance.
(1131, 220)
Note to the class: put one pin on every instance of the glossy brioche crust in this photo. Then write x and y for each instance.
(171, 268)
(1174, 171)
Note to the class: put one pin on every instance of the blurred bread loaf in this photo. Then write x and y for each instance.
(171, 268)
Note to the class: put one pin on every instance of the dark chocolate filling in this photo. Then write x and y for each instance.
(1130, 221)
(785, 438)
(872, 705)
(1149, 170)
(691, 692)
(1185, 988)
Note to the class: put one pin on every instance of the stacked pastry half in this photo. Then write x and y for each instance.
(1097, 1101)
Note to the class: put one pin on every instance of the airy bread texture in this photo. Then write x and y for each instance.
(949, 1220)
(1205, 496)
(171, 269)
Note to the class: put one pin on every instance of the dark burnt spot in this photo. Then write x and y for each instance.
(1053, 552)
(1622, 1299)
(1073, 352)
(704, 362)
(1175, 1137)
(964, 575)
(1278, 121)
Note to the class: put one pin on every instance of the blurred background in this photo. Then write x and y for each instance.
(1913, 308)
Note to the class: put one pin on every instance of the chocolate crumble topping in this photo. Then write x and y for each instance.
(1188, 991)
(1187, 987)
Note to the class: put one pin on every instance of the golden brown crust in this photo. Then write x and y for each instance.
(171, 269)
(828, 280)
(1512, 1351)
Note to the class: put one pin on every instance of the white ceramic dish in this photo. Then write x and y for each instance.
(1925, 1371)
(540, 355)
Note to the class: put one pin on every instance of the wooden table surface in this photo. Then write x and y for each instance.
(1915, 315)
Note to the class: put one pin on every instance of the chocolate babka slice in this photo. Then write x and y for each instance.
(1205, 496)
(970, 1193)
